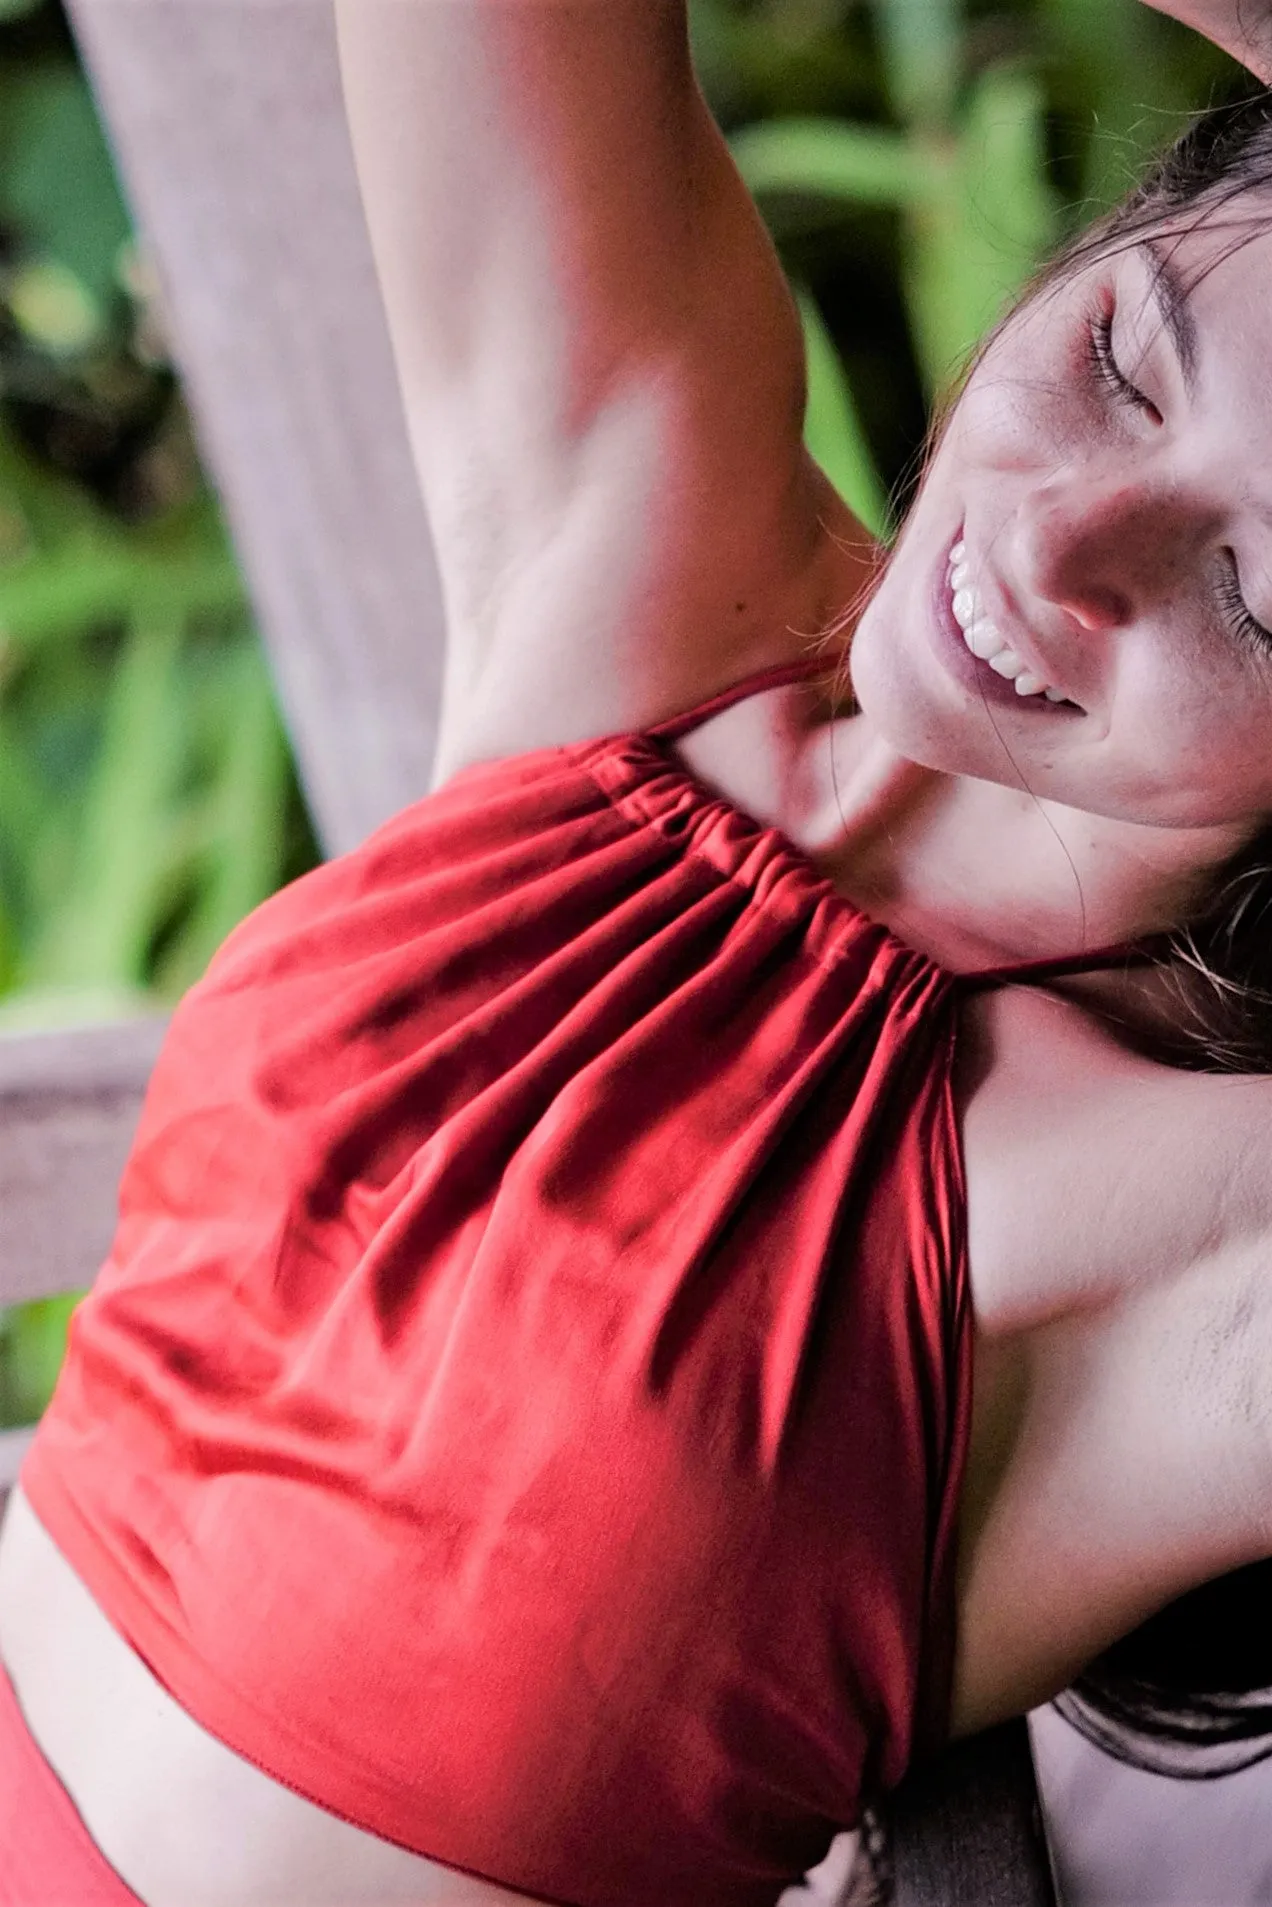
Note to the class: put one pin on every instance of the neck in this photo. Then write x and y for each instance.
(976, 874)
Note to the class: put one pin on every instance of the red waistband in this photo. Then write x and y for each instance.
(47, 1856)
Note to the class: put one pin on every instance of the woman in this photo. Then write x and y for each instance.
(517, 1446)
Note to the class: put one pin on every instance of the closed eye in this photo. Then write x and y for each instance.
(1108, 372)
(1236, 615)
(1111, 378)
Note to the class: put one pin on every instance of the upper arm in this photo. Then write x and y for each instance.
(601, 364)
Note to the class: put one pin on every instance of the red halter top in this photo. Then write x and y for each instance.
(525, 1405)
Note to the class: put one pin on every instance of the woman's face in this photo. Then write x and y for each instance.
(1105, 484)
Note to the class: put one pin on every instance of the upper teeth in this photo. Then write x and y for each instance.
(982, 636)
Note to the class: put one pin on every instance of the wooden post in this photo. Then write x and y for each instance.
(69, 1104)
(227, 120)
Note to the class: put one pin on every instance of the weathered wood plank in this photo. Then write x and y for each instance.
(69, 1104)
(967, 1830)
(229, 126)
(13, 1447)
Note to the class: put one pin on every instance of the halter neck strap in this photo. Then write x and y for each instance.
(1127, 953)
(678, 726)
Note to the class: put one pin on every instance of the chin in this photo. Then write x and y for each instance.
(897, 703)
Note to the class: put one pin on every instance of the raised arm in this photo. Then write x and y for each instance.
(601, 364)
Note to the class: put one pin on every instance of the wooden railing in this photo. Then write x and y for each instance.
(68, 1106)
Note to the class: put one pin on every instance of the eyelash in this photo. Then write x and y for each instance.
(1108, 374)
(1105, 365)
(1239, 619)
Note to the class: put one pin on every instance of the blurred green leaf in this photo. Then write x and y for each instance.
(1127, 79)
(57, 182)
(38, 1009)
(922, 58)
(101, 929)
(242, 819)
(976, 240)
(832, 428)
(778, 59)
(857, 165)
(1013, 203)
(69, 565)
(32, 1345)
(54, 308)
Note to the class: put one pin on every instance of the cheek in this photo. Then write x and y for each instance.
(1027, 404)
(1207, 752)
(1193, 686)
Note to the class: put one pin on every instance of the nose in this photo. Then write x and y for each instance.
(1099, 549)
(1094, 608)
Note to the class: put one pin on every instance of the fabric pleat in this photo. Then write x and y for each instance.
(525, 1404)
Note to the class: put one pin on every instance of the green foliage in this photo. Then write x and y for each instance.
(32, 1345)
(832, 427)
(987, 224)
(982, 133)
(921, 46)
(147, 799)
(145, 791)
(852, 165)
(57, 186)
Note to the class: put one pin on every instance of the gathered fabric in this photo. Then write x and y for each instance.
(525, 1406)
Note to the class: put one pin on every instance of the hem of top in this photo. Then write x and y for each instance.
(932, 1714)
(72, 1532)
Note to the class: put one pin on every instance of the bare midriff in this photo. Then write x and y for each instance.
(183, 1820)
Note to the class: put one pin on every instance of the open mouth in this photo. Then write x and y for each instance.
(987, 659)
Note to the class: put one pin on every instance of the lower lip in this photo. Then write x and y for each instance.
(983, 682)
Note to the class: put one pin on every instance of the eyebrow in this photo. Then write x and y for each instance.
(1171, 299)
